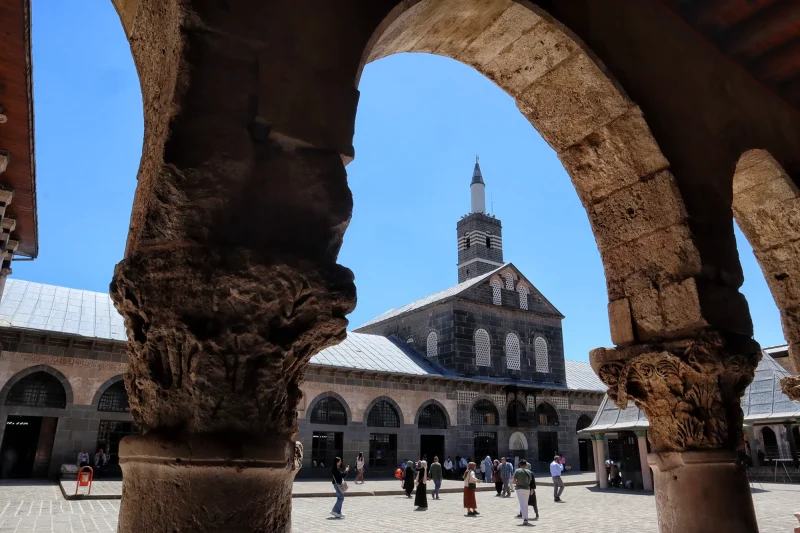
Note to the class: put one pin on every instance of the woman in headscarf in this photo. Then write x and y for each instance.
(421, 499)
(497, 477)
(487, 469)
(408, 478)
(470, 484)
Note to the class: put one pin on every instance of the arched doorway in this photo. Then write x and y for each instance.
(115, 424)
(28, 438)
(383, 416)
(433, 419)
(769, 445)
(585, 455)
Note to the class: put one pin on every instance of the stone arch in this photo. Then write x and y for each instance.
(31, 370)
(545, 411)
(584, 421)
(391, 402)
(518, 441)
(108, 383)
(483, 402)
(766, 206)
(634, 206)
(438, 404)
(329, 394)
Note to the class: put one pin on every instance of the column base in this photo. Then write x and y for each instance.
(207, 484)
(698, 492)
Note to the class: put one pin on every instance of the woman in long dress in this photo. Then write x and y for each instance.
(487, 469)
(470, 483)
(408, 478)
(421, 499)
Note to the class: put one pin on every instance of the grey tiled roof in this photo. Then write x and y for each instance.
(59, 309)
(363, 351)
(433, 298)
(580, 376)
(763, 401)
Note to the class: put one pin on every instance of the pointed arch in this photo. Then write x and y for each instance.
(432, 345)
(335, 397)
(432, 415)
(383, 412)
(22, 374)
(512, 352)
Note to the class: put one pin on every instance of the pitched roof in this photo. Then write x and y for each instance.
(580, 376)
(363, 351)
(433, 298)
(50, 308)
(455, 291)
(763, 402)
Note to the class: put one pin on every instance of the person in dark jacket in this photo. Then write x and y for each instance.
(339, 476)
(408, 478)
(421, 500)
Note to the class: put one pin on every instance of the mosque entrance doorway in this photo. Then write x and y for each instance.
(431, 446)
(27, 446)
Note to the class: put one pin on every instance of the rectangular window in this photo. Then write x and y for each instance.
(383, 449)
(110, 433)
(484, 443)
(325, 446)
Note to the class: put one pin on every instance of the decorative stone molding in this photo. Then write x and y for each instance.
(689, 389)
(228, 353)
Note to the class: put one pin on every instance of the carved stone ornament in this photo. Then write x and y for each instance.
(790, 385)
(689, 390)
(220, 344)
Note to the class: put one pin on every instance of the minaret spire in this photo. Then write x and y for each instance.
(477, 189)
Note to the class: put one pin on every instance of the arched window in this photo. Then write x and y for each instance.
(523, 297)
(515, 413)
(546, 414)
(540, 349)
(482, 348)
(329, 410)
(484, 413)
(583, 422)
(512, 352)
(383, 415)
(497, 298)
(115, 399)
(509, 281)
(39, 389)
(432, 417)
(433, 345)
(488, 242)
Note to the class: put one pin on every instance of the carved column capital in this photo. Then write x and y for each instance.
(790, 385)
(218, 341)
(689, 389)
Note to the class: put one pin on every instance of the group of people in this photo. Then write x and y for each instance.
(100, 459)
(502, 472)
(614, 473)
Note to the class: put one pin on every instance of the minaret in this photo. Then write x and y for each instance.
(477, 190)
(480, 236)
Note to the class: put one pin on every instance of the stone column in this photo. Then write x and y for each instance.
(647, 477)
(594, 458)
(753, 440)
(690, 391)
(792, 446)
(600, 467)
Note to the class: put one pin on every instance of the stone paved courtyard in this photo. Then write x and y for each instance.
(32, 507)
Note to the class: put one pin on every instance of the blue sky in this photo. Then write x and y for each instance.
(421, 121)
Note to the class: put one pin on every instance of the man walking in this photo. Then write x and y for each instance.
(555, 472)
(507, 473)
(435, 473)
(523, 479)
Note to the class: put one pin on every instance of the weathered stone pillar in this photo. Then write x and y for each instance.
(594, 458)
(599, 438)
(753, 440)
(690, 391)
(647, 477)
(230, 283)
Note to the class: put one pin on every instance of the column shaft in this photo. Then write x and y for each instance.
(647, 477)
(601, 461)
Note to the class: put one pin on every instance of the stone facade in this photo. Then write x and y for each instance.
(480, 245)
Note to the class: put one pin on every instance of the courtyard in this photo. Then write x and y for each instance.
(40, 507)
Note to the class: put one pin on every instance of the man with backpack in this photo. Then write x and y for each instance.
(526, 486)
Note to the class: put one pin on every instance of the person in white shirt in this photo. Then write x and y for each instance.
(448, 468)
(83, 459)
(555, 472)
(360, 468)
